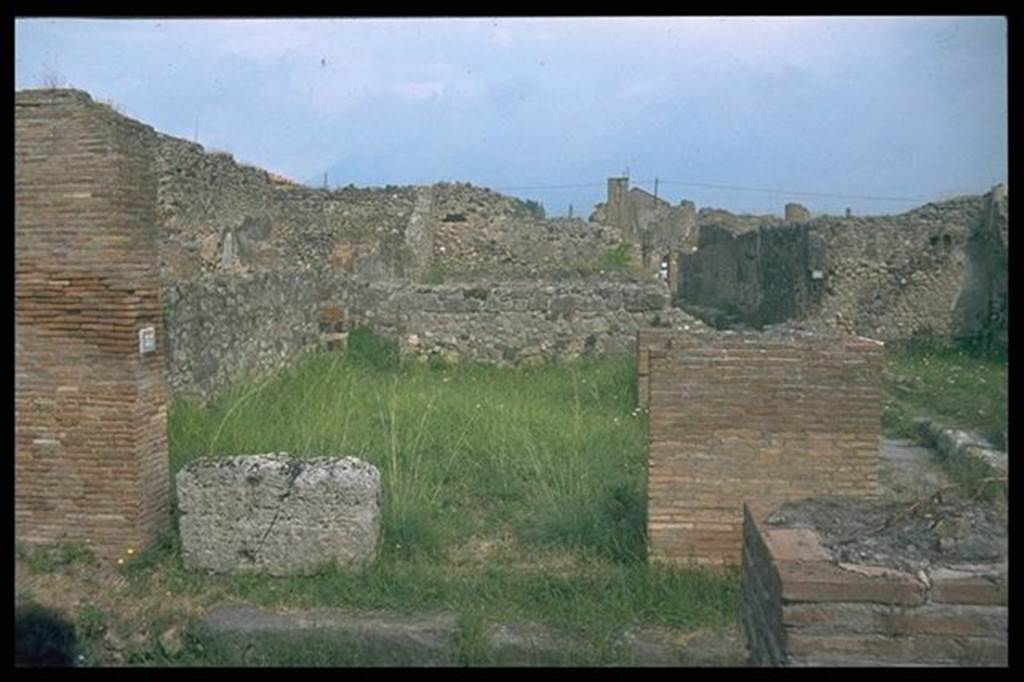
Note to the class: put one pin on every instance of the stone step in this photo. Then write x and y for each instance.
(248, 636)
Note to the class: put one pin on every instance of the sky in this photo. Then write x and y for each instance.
(889, 112)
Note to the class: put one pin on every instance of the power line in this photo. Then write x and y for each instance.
(790, 191)
(577, 186)
(737, 188)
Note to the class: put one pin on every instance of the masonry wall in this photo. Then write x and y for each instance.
(90, 412)
(221, 217)
(736, 416)
(476, 230)
(799, 608)
(224, 329)
(939, 270)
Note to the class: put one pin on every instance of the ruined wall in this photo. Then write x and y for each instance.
(765, 275)
(802, 607)
(939, 270)
(223, 329)
(654, 227)
(512, 322)
(474, 229)
(221, 217)
(90, 411)
(735, 416)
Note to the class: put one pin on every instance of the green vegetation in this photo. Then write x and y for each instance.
(617, 259)
(513, 494)
(437, 274)
(509, 495)
(961, 387)
(529, 207)
(52, 558)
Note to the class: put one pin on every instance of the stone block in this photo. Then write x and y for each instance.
(824, 582)
(242, 635)
(927, 619)
(970, 585)
(278, 514)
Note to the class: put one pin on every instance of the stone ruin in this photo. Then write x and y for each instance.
(856, 581)
(278, 514)
(141, 257)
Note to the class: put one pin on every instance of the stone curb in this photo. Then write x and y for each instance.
(954, 444)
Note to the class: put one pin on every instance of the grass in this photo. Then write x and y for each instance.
(960, 387)
(509, 494)
(50, 559)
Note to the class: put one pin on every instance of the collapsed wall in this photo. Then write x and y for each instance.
(90, 400)
(738, 416)
(939, 271)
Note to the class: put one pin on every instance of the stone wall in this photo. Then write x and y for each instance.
(221, 217)
(802, 607)
(939, 270)
(90, 410)
(511, 322)
(475, 229)
(223, 329)
(734, 416)
(764, 275)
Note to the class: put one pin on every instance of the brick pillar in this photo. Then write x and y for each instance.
(745, 416)
(90, 409)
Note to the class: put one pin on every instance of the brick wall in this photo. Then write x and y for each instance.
(90, 412)
(734, 416)
(799, 607)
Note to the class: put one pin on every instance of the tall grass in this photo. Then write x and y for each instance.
(508, 493)
(552, 456)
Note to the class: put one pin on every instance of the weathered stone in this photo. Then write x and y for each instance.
(242, 635)
(984, 585)
(526, 644)
(277, 513)
(912, 649)
(937, 619)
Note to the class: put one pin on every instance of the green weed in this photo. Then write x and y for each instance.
(964, 388)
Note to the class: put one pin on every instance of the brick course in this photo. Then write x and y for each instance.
(735, 416)
(799, 607)
(90, 412)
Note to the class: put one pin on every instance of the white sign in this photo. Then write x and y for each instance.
(147, 340)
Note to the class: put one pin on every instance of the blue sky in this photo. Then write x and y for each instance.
(912, 108)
